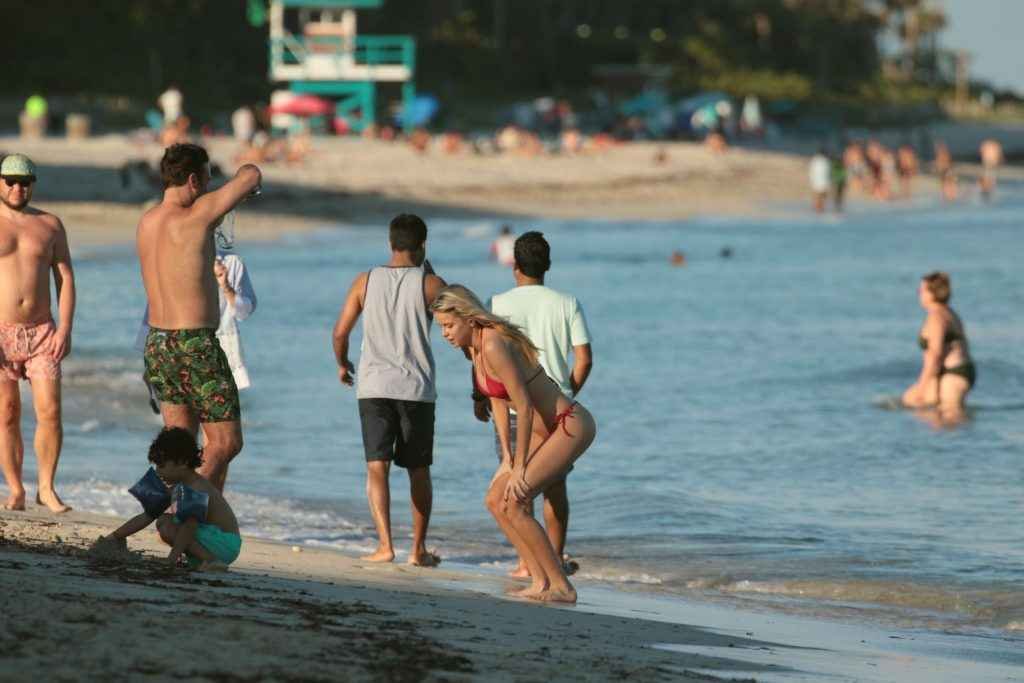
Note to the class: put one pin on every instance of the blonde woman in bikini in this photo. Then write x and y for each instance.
(506, 370)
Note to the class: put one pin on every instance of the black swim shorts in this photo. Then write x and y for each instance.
(402, 431)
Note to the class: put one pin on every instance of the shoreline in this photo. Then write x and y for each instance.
(329, 615)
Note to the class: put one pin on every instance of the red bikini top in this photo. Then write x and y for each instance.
(492, 388)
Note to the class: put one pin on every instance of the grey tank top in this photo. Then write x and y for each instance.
(395, 360)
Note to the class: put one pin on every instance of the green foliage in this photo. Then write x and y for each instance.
(791, 49)
(769, 85)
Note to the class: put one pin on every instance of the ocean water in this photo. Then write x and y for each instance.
(742, 453)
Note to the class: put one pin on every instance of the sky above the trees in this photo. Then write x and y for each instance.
(991, 31)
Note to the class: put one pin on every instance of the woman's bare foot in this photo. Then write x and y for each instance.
(15, 501)
(520, 572)
(425, 558)
(52, 501)
(531, 591)
(381, 555)
(567, 595)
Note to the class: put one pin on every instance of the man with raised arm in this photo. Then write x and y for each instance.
(185, 364)
(32, 245)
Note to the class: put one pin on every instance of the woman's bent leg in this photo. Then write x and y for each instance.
(546, 466)
(496, 504)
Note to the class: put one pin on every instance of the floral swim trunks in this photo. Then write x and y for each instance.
(25, 351)
(188, 367)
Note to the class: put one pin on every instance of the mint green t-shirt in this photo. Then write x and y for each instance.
(553, 321)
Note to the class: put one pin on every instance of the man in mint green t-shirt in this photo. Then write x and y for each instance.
(555, 323)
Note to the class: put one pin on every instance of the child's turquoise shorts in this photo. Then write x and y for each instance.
(224, 546)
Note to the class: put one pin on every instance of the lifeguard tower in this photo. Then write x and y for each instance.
(315, 49)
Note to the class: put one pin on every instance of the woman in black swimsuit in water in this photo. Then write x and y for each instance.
(947, 371)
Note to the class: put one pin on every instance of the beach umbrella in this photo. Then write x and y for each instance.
(422, 109)
(304, 105)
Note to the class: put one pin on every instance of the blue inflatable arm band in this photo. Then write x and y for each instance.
(152, 493)
(190, 503)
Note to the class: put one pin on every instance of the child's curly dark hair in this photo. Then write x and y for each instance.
(174, 444)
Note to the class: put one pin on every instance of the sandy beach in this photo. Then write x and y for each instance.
(356, 181)
(287, 615)
(283, 614)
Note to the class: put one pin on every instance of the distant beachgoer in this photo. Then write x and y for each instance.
(944, 169)
(506, 368)
(185, 363)
(419, 139)
(887, 174)
(678, 258)
(947, 371)
(837, 179)
(725, 252)
(175, 133)
(171, 103)
(819, 175)
(716, 141)
(451, 142)
(873, 161)
(243, 125)
(991, 158)
(555, 324)
(395, 383)
(237, 300)
(853, 160)
(906, 168)
(503, 247)
(203, 527)
(31, 345)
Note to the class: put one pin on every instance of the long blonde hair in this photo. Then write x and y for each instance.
(462, 302)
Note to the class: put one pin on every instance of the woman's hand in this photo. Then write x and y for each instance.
(911, 397)
(517, 488)
(918, 396)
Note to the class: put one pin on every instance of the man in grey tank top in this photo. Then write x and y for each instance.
(395, 385)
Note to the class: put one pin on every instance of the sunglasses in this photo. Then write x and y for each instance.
(23, 181)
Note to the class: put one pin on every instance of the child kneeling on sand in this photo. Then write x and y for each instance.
(203, 527)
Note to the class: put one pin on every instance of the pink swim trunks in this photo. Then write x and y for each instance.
(25, 351)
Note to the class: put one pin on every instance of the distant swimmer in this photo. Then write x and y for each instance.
(503, 248)
(947, 371)
(32, 346)
(991, 159)
(506, 369)
(678, 258)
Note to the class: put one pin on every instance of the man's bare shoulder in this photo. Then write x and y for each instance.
(43, 218)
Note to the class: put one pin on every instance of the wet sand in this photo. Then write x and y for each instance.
(283, 614)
